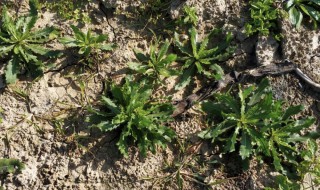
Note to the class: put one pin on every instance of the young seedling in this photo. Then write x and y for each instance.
(130, 108)
(87, 43)
(199, 59)
(264, 17)
(23, 45)
(258, 124)
(298, 8)
(189, 16)
(156, 63)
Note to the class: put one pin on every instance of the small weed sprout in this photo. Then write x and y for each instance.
(156, 63)
(264, 17)
(87, 43)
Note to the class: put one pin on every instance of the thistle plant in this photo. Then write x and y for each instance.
(156, 63)
(258, 124)
(130, 108)
(87, 43)
(23, 45)
(198, 58)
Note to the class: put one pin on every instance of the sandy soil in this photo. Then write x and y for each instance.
(45, 127)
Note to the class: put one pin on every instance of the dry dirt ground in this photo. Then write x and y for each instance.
(44, 126)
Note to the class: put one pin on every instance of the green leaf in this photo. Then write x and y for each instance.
(140, 56)
(246, 147)
(101, 38)
(41, 35)
(313, 13)
(230, 146)
(180, 45)
(163, 50)
(193, 41)
(106, 126)
(168, 60)
(292, 111)
(34, 5)
(110, 105)
(37, 49)
(276, 159)
(79, 34)
(185, 78)
(295, 17)
(5, 49)
(137, 67)
(12, 70)
(106, 47)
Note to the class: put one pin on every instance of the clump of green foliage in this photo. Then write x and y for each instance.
(189, 16)
(298, 8)
(198, 58)
(156, 63)
(87, 43)
(24, 45)
(264, 17)
(9, 165)
(130, 108)
(68, 9)
(258, 124)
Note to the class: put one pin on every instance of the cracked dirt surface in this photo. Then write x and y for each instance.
(45, 126)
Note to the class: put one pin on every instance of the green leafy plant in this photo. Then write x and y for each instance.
(87, 43)
(189, 16)
(298, 8)
(198, 58)
(258, 123)
(9, 165)
(284, 183)
(264, 17)
(311, 162)
(24, 45)
(130, 108)
(156, 63)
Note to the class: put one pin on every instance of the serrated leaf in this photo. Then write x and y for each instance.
(230, 146)
(106, 47)
(12, 70)
(163, 50)
(292, 110)
(193, 41)
(5, 49)
(110, 104)
(106, 126)
(276, 159)
(246, 147)
(78, 33)
(185, 78)
(137, 67)
(69, 41)
(181, 46)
